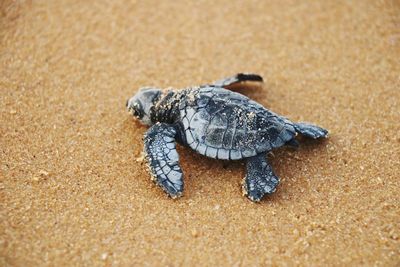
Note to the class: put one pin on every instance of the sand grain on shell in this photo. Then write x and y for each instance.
(73, 193)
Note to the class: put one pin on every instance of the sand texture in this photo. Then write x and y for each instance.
(74, 191)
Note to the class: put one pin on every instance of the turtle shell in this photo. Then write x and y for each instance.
(223, 124)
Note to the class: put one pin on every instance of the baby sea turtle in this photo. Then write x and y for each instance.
(217, 123)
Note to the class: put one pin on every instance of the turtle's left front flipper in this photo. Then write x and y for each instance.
(163, 160)
(237, 79)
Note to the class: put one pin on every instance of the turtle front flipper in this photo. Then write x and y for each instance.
(237, 79)
(163, 160)
(260, 178)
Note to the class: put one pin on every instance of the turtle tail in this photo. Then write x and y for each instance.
(310, 130)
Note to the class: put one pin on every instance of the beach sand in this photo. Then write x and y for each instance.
(74, 191)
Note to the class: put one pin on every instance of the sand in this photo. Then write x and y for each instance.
(74, 192)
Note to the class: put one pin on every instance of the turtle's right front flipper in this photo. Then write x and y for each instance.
(163, 160)
(237, 79)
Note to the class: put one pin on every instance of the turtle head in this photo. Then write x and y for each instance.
(141, 103)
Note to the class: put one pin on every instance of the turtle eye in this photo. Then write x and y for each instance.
(137, 110)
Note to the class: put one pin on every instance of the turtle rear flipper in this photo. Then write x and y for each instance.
(260, 178)
(238, 78)
(163, 160)
(310, 130)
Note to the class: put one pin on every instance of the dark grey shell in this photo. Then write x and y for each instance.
(223, 124)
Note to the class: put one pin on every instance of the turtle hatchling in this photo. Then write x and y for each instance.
(218, 123)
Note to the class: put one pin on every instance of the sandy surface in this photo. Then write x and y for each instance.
(73, 193)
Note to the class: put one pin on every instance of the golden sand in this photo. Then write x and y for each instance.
(72, 192)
